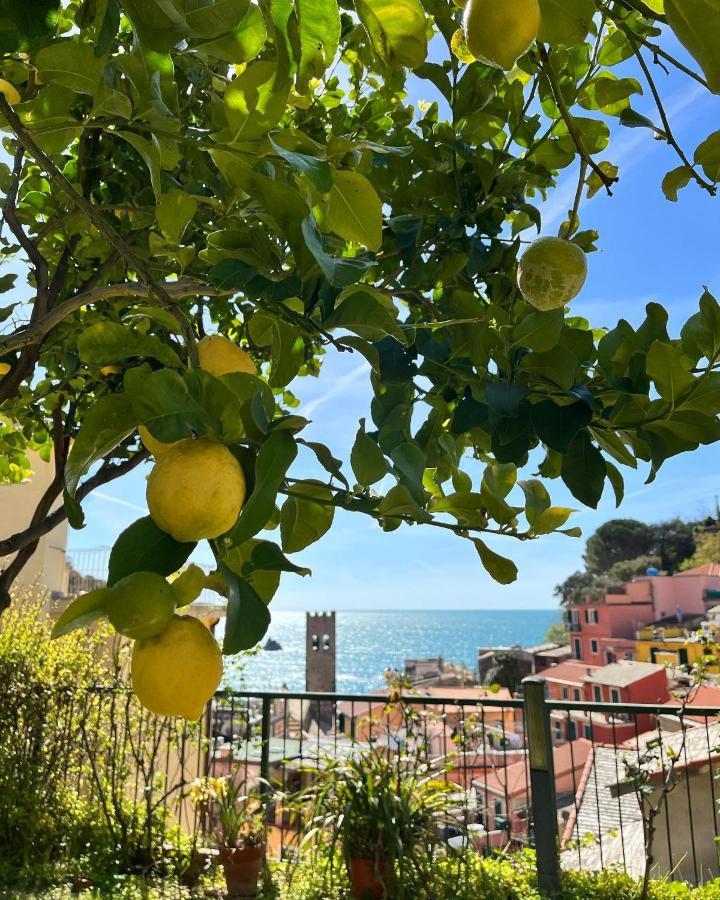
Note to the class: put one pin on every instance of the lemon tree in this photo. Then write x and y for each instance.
(206, 198)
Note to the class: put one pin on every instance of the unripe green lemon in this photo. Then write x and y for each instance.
(140, 605)
(196, 490)
(551, 272)
(177, 672)
(219, 356)
(499, 31)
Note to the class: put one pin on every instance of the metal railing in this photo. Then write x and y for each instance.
(588, 785)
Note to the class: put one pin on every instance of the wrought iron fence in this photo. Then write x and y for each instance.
(588, 785)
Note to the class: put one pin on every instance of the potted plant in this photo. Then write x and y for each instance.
(239, 819)
(382, 812)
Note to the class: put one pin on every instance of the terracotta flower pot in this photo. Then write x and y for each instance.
(369, 878)
(242, 867)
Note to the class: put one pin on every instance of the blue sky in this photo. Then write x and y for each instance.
(650, 250)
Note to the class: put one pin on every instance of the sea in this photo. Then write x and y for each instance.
(368, 643)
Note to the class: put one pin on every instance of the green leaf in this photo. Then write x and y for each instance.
(539, 331)
(319, 22)
(409, 465)
(213, 18)
(174, 212)
(243, 43)
(617, 482)
(467, 508)
(105, 424)
(273, 460)
(338, 271)
(248, 618)
(220, 405)
(396, 29)
(303, 521)
(163, 403)
(265, 582)
(557, 365)
(354, 209)
(286, 341)
(366, 312)
(330, 463)
(150, 153)
(84, 610)
(537, 500)
(675, 180)
(696, 24)
(71, 65)
(143, 547)
(551, 519)
(583, 470)
(400, 502)
(670, 371)
(501, 569)
(367, 459)
(255, 101)
(316, 170)
(24, 25)
(268, 557)
(707, 155)
(565, 21)
(109, 342)
(557, 425)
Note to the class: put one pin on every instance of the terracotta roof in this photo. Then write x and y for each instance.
(468, 693)
(571, 671)
(512, 780)
(623, 673)
(712, 569)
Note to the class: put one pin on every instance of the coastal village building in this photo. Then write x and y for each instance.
(503, 791)
(604, 630)
(530, 660)
(626, 681)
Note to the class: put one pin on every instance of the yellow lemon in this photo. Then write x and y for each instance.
(499, 31)
(551, 272)
(140, 605)
(196, 490)
(12, 95)
(156, 447)
(178, 671)
(219, 356)
(4, 368)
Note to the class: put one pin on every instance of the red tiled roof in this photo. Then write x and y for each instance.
(572, 671)
(513, 779)
(708, 569)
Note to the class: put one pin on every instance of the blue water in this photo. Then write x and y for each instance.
(370, 642)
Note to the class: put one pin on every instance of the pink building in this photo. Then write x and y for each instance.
(603, 630)
(626, 681)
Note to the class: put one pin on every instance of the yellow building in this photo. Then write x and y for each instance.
(677, 645)
(46, 568)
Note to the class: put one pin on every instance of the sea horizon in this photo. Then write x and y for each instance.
(370, 641)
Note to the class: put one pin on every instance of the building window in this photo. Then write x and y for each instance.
(565, 693)
(614, 695)
(610, 656)
(594, 646)
(588, 732)
(558, 731)
(498, 807)
(591, 616)
(597, 693)
(576, 693)
(629, 654)
(578, 648)
(574, 619)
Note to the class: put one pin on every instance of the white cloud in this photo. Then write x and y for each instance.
(338, 387)
(108, 498)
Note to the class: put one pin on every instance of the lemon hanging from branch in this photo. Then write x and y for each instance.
(140, 605)
(499, 31)
(196, 490)
(551, 272)
(219, 356)
(178, 671)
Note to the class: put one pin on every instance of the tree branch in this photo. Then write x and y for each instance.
(26, 139)
(567, 117)
(36, 332)
(705, 185)
(24, 543)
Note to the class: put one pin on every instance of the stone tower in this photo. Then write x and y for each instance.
(320, 652)
(320, 671)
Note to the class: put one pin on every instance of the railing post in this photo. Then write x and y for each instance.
(542, 784)
(265, 747)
